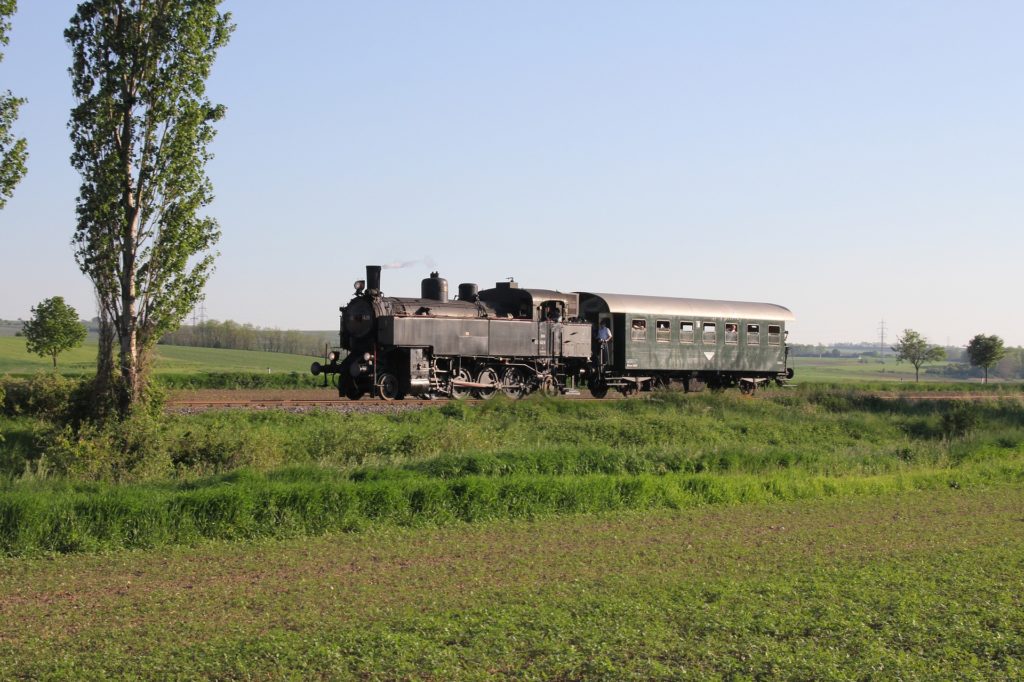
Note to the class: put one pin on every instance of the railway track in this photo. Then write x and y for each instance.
(193, 404)
(258, 403)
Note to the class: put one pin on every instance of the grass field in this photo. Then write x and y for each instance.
(15, 360)
(807, 533)
(182, 479)
(913, 586)
(853, 370)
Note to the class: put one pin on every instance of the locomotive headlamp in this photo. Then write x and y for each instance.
(332, 357)
(359, 285)
(366, 357)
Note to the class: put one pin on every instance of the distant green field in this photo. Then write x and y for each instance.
(14, 359)
(852, 369)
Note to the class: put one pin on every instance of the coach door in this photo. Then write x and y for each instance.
(603, 353)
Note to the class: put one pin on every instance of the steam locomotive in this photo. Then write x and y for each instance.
(516, 341)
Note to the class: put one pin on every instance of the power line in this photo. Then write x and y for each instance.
(881, 337)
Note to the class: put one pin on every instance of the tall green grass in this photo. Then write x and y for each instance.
(237, 380)
(822, 432)
(250, 506)
(180, 479)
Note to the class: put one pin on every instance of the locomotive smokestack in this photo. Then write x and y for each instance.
(373, 279)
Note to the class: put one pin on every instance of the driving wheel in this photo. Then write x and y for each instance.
(488, 377)
(460, 392)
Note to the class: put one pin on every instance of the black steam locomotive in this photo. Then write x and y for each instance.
(517, 341)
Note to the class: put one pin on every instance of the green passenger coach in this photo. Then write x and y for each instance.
(695, 342)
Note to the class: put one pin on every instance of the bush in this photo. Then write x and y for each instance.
(130, 450)
(237, 380)
(959, 421)
(47, 396)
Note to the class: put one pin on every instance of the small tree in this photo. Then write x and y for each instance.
(13, 152)
(985, 351)
(914, 348)
(53, 329)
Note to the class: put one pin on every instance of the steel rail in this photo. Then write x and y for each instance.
(254, 403)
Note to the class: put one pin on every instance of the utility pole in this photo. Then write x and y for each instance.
(202, 323)
(881, 339)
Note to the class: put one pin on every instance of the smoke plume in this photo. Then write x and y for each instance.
(400, 265)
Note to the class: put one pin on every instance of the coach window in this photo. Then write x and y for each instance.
(710, 333)
(663, 331)
(639, 330)
(753, 334)
(686, 332)
(732, 332)
(774, 334)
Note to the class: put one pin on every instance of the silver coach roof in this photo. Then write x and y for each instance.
(692, 307)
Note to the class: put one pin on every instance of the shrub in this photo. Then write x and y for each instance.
(47, 396)
(237, 380)
(959, 421)
(215, 450)
(130, 450)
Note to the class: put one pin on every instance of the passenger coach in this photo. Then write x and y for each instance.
(697, 342)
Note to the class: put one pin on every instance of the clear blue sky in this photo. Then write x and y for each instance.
(851, 160)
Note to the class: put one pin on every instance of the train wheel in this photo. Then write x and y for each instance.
(512, 382)
(460, 392)
(548, 386)
(387, 386)
(599, 390)
(353, 392)
(490, 377)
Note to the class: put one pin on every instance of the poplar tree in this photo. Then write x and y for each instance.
(140, 130)
(13, 151)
